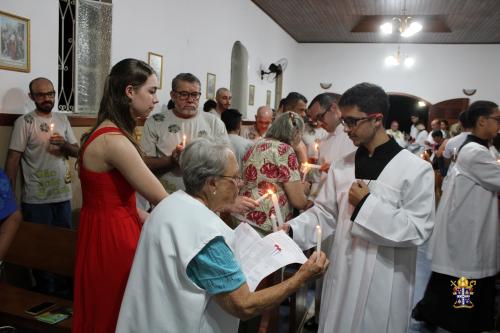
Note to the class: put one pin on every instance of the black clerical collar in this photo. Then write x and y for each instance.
(473, 138)
(370, 167)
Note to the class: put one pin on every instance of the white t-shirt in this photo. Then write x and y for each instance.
(164, 131)
(240, 146)
(312, 136)
(44, 173)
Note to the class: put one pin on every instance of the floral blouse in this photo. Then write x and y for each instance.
(267, 165)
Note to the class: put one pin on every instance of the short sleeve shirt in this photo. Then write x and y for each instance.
(268, 165)
(45, 175)
(163, 131)
(7, 200)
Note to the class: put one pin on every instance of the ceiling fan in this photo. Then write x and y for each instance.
(274, 70)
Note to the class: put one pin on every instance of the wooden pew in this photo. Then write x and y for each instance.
(40, 247)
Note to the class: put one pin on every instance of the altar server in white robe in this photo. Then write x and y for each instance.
(185, 277)
(379, 205)
(466, 240)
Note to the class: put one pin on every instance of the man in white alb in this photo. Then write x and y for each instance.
(378, 203)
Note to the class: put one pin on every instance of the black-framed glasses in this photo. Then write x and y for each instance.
(50, 94)
(353, 122)
(186, 94)
(236, 179)
(321, 116)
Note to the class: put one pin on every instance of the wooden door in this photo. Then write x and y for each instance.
(449, 109)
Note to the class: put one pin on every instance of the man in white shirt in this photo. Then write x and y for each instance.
(465, 245)
(378, 204)
(397, 134)
(263, 120)
(240, 145)
(223, 98)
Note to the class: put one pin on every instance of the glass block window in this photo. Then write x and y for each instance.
(93, 53)
(66, 58)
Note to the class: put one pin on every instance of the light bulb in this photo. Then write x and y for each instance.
(386, 28)
(409, 62)
(392, 61)
(412, 29)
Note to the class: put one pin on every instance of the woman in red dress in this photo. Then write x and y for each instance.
(111, 170)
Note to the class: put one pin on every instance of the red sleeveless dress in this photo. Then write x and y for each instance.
(107, 238)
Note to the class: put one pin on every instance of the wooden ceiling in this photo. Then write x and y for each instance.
(332, 21)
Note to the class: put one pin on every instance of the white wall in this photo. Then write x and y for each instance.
(198, 36)
(44, 33)
(440, 71)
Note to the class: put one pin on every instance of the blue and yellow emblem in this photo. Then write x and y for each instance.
(463, 289)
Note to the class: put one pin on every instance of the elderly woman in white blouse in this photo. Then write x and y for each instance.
(185, 277)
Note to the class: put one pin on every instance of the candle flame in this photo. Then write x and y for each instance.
(270, 192)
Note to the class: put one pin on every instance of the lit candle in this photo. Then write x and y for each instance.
(276, 206)
(318, 241)
(262, 197)
(316, 149)
(184, 140)
(455, 152)
(305, 171)
(273, 221)
(51, 128)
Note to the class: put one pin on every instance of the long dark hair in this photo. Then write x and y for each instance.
(115, 105)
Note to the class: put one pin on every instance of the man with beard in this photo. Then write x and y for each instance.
(166, 132)
(378, 204)
(223, 98)
(41, 142)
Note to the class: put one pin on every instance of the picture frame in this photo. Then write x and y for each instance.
(155, 60)
(268, 98)
(251, 94)
(210, 94)
(14, 42)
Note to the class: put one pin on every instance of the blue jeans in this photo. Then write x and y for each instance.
(56, 214)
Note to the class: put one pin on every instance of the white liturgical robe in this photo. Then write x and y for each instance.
(369, 285)
(466, 240)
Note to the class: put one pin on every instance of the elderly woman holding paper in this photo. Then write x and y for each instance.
(185, 277)
(271, 174)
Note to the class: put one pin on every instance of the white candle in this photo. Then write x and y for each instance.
(184, 140)
(316, 149)
(318, 241)
(455, 152)
(277, 209)
(273, 221)
(51, 129)
(262, 197)
(305, 171)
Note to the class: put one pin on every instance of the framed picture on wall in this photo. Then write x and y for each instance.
(155, 60)
(15, 42)
(251, 94)
(210, 86)
(268, 98)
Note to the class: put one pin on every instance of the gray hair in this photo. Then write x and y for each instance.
(186, 77)
(203, 158)
(286, 127)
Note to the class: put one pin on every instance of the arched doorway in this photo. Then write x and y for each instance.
(403, 106)
(239, 77)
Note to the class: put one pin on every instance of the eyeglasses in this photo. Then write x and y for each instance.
(236, 179)
(353, 122)
(50, 94)
(497, 118)
(320, 117)
(185, 95)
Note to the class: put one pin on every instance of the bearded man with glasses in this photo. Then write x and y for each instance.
(165, 134)
(378, 205)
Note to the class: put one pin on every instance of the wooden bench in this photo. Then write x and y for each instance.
(40, 247)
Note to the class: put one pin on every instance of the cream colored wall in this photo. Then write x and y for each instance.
(76, 203)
